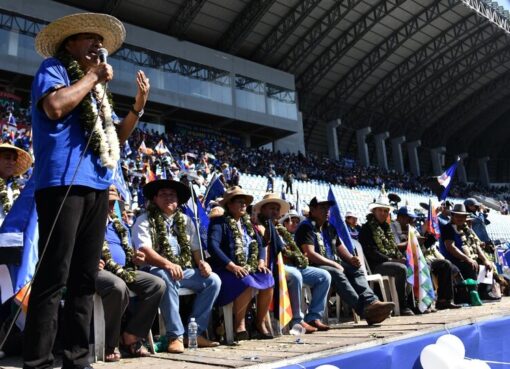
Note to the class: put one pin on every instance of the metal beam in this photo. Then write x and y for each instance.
(284, 29)
(490, 12)
(244, 23)
(440, 71)
(380, 53)
(309, 79)
(474, 66)
(187, 12)
(385, 86)
(317, 32)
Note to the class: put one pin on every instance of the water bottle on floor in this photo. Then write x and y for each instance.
(192, 334)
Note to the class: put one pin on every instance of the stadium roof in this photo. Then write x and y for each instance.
(435, 70)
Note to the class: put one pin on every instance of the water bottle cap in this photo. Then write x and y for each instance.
(191, 319)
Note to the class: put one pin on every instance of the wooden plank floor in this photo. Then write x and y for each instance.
(283, 350)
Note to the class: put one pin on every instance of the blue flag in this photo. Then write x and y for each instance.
(337, 221)
(19, 229)
(445, 180)
(120, 184)
(214, 190)
(283, 194)
(203, 220)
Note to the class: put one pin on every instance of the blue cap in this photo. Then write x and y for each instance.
(405, 211)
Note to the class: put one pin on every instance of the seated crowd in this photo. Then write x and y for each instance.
(160, 252)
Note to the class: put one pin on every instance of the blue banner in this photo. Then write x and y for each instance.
(337, 221)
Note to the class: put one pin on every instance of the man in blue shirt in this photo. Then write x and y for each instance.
(72, 176)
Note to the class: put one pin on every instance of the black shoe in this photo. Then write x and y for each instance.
(242, 336)
(443, 305)
(406, 312)
(263, 336)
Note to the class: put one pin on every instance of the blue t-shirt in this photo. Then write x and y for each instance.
(115, 244)
(58, 144)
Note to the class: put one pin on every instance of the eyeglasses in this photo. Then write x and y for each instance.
(293, 220)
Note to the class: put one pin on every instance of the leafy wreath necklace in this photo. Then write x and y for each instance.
(291, 251)
(96, 124)
(252, 263)
(4, 195)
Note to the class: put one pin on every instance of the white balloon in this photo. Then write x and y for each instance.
(453, 345)
(437, 357)
(327, 366)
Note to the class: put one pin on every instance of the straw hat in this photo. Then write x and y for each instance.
(151, 189)
(289, 215)
(382, 201)
(23, 162)
(109, 28)
(235, 191)
(271, 198)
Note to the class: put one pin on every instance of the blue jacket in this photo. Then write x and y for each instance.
(221, 246)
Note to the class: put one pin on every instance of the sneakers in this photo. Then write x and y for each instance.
(378, 311)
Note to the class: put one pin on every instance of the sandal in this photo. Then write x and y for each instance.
(136, 349)
(112, 355)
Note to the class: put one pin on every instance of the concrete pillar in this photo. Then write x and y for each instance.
(380, 148)
(484, 171)
(13, 48)
(461, 168)
(412, 152)
(361, 136)
(246, 140)
(332, 137)
(436, 157)
(396, 149)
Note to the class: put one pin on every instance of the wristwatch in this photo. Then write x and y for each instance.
(137, 113)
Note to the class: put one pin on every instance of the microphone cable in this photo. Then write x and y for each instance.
(29, 284)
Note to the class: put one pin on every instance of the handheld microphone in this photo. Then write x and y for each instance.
(102, 53)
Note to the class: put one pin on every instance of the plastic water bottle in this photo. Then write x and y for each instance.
(192, 334)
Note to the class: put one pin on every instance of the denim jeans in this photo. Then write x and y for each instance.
(318, 280)
(352, 286)
(207, 290)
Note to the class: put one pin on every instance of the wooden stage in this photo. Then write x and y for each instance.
(281, 351)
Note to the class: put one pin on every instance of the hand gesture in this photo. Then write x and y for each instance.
(238, 271)
(262, 267)
(142, 93)
(355, 262)
(101, 264)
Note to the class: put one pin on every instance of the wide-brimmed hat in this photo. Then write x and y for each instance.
(109, 28)
(23, 162)
(381, 202)
(291, 214)
(471, 202)
(459, 209)
(271, 198)
(151, 189)
(404, 210)
(235, 191)
(350, 214)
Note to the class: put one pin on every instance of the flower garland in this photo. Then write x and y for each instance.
(104, 141)
(126, 273)
(251, 264)
(291, 250)
(383, 238)
(160, 239)
(469, 241)
(4, 195)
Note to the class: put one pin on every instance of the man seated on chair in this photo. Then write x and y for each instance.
(381, 251)
(442, 269)
(171, 245)
(297, 271)
(319, 241)
(118, 274)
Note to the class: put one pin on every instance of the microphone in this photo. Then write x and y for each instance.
(102, 53)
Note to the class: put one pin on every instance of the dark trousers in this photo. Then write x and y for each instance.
(289, 187)
(466, 269)
(399, 272)
(71, 260)
(352, 286)
(114, 293)
(444, 271)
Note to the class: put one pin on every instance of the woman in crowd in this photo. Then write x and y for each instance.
(238, 257)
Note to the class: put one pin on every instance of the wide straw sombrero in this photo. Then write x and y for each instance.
(235, 191)
(109, 28)
(23, 162)
(271, 198)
